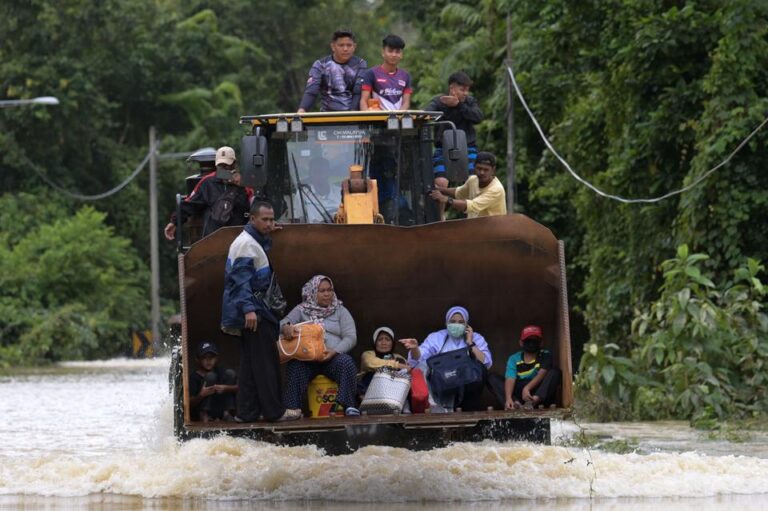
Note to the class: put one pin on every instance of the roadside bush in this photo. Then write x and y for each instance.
(69, 290)
(699, 351)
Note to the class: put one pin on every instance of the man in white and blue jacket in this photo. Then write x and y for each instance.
(243, 314)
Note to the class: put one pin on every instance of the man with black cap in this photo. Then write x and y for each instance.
(481, 195)
(212, 389)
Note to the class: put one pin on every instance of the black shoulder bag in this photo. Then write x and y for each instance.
(453, 369)
(273, 296)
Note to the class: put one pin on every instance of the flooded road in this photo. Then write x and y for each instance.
(98, 435)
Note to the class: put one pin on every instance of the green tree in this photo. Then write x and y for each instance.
(698, 351)
(70, 289)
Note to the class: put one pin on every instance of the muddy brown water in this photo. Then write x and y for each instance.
(97, 435)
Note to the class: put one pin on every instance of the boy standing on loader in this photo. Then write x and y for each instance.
(386, 87)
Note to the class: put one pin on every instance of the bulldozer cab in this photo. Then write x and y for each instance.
(300, 161)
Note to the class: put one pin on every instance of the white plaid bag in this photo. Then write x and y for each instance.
(387, 392)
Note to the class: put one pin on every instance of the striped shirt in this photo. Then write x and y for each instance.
(518, 368)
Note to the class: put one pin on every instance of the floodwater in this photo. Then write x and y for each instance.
(97, 435)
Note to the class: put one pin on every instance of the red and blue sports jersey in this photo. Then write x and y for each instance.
(388, 88)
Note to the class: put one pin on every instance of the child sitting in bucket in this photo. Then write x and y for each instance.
(530, 379)
(212, 389)
(382, 355)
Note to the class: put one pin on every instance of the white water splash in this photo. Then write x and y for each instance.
(229, 468)
(106, 430)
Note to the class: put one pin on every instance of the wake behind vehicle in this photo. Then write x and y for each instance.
(351, 190)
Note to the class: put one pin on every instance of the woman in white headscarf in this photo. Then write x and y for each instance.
(456, 335)
(320, 304)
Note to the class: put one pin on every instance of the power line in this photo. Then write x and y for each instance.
(97, 196)
(617, 197)
(114, 190)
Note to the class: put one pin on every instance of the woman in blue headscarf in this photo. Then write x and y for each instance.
(456, 335)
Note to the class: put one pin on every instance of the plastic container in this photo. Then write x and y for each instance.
(321, 396)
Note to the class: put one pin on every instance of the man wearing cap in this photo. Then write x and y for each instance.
(481, 195)
(212, 388)
(530, 378)
(245, 314)
(218, 197)
(205, 159)
(337, 78)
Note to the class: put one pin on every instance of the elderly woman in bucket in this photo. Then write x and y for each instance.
(457, 338)
(321, 305)
(382, 355)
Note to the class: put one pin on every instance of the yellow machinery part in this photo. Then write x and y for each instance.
(359, 207)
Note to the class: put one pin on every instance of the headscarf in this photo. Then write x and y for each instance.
(310, 306)
(388, 331)
(453, 310)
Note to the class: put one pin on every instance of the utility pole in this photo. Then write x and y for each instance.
(510, 125)
(154, 238)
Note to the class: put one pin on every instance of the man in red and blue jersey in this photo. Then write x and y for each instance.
(336, 78)
(387, 85)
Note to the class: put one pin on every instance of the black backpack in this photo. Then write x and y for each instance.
(221, 211)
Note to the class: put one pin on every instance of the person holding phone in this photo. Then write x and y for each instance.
(456, 335)
(218, 197)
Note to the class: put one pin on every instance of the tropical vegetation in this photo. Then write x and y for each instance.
(642, 97)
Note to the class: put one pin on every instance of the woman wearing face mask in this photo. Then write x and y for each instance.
(457, 334)
(530, 379)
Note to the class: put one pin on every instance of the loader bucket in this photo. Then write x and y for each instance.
(508, 271)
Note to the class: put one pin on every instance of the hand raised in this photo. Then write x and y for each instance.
(170, 231)
(449, 100)
(469, 334)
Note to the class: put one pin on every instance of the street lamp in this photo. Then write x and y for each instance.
(42, 100)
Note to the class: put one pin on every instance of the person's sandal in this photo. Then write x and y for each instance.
(290, 414)
(528, 405)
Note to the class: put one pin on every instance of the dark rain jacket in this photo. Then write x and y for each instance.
(464, 115)
(202, 199)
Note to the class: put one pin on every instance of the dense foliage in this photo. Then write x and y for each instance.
(699, 351)
(188, 68)
(641, 96)
(69, 289)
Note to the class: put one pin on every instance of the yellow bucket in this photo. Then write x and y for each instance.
(321, 396)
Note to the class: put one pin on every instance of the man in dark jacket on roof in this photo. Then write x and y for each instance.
(220, 200)
(337, 78)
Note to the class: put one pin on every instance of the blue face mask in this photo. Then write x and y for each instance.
(456, 329)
